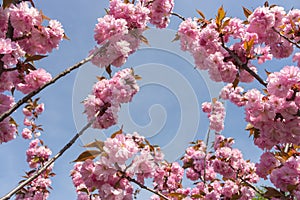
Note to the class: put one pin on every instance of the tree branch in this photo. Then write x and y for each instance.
(62, 74)
(177, 15)
(145, 187)
(51, 161)
(243, 65)
(286, 38)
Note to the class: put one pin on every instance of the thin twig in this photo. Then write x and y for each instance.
(251, 186)
(246, 182)
(145, 187)
(62, 74)
(177, 15)
(286, 38)
(243, 65)
(51, 161)
(205, 157)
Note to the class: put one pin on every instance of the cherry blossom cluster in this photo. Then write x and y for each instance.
(204, 168)
(265, 35)
(265, 21)
(120, 31)
(216, 113)
(130, 158)
(207, 48)
(31, 111)
(168, 177)
(24, 36)
(38, 189)
(282, 167)
(233, 94)
(107, 95)
(275, 115)
(160, 11)
(8, 128)
(122, 157)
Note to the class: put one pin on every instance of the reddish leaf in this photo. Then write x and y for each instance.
(117, 133)
(108, 70)
(248, 45)
(150, 146)
(66, 37)
(85, 190)
(97, 144)
(178, 196)
(31, 3)
(272, 192)
(247, 12)
(6, 3)
(144, 39)
(100, 78)
(236, 82)
(214, 100)
(13, 122)
(200, 13)
(137, 77)
(90, 154)
(177, 37)
(44, 17)
(225, 23)
(220, 16)
(34, 58)
(266, 4)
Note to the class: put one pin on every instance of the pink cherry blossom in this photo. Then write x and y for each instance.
(107, 96)
(34, 80)
(267, 163)
(23, 18)
(26, 133)
(216, 115)
(160, 12)
(261, 20)
(296, 58)
(108, 26)
(136, 16)
(37, 154)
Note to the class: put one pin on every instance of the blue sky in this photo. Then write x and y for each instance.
(155, 108)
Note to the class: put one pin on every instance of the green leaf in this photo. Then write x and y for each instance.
(89, 154)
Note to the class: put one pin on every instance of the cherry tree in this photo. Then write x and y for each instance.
(230, 49)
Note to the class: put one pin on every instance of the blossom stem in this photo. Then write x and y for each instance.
(51, 161)
(205, 157)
